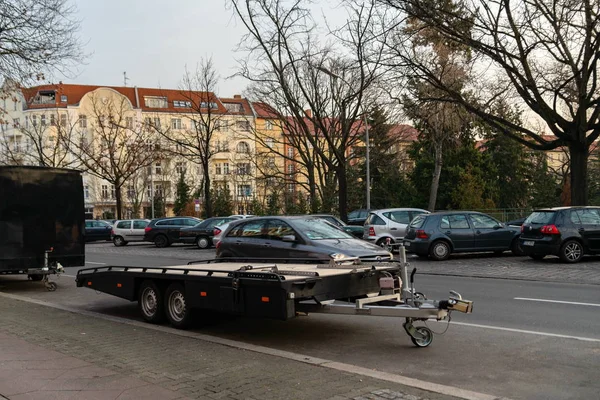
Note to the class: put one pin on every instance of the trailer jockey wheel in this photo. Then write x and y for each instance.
(51, 286)
(425, 339)
(178, 312)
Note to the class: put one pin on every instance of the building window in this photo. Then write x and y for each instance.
(243, 168)
(290, 152)
(291, 187)
(243, 125)
(63, 120)
(218, 168)
(212, 105)
(269, 125)
(182, 104)
(149, 191)
(271, 162)
(63, 98)
(113, 193)
(43, 120)
(156, 122)
(86, 191)
(244, 190)
(15, 105)
(158, 168)
(131, 191)
(222, 145)
(51, 138)
(34, 120)
(16, 122)
(52, 120)
(158, 190)
(234, 107)
(290, 169)
(180, 167)
(270, 143)
(155, 102)
(82, 121)
(243, 148)
(176, 123)
(225, 168)
(104, 192)
(129, 122)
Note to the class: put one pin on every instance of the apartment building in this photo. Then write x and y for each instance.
(141, 139)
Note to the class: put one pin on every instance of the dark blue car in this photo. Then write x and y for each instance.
(437, 235)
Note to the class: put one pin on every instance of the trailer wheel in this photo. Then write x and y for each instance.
(427, 337)
(177, 310)
(150, 302)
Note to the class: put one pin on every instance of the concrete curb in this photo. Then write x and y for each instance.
(384, 376)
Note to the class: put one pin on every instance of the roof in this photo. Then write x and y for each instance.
(403, 132)
(263, 110)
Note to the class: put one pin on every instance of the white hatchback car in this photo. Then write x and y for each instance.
(128, 230)
(389, 224)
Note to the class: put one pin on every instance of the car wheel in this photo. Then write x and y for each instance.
(516, 249)
(150, 302)
(202, 242)
(537, 256)
(383, 243)
(161, 241)
(178, 311)
(571, 251)
(119, 241)
(439, 250)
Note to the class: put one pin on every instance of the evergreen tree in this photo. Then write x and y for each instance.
(544, 188)
(222, 201)
(182, 196)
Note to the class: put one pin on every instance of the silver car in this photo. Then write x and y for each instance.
(389, 223)
(129, 230)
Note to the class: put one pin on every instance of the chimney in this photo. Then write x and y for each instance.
(308, 113)
(237, 96)
(137, 97)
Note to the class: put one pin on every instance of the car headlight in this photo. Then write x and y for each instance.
(338, 256)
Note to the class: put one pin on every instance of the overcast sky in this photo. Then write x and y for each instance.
(154, 40)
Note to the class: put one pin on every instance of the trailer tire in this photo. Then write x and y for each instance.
(426, 341)
(150, 302)
(176, 308)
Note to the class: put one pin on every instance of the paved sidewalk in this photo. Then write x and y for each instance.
(47, 353)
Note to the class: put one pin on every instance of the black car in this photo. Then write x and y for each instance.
(437, 235)
(165, 231)
(293, 237)
(97, 230)
(567, 232)
(358, 217)
(202, 234)
(354, 230)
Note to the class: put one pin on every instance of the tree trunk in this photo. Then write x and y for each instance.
(118, 198)
(578, 153)
(343, 192)
(207, 199)
(312, 189)
(435, 181)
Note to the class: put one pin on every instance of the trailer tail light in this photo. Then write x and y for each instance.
(202, 294)
(265, 299)
(371, 231)
(147, 229)
(89, 283)
(550, 230)
(119, 285)
(216, 232)
(421, 234)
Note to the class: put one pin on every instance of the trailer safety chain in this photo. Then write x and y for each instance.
(447, 325)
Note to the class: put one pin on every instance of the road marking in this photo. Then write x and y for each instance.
(500, 328)
(90, 262)
(558, 301)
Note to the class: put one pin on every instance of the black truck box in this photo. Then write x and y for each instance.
(40, 209)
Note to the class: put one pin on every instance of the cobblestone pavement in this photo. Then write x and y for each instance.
(178, 367)
(505, 266)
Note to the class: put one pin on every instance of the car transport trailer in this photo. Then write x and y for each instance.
(279, 291)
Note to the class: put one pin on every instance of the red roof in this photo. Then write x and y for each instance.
(404, 132)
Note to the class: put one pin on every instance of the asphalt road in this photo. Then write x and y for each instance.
(525, 340)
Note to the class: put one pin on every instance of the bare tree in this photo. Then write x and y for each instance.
(539, 54)
(195, 136)
(115, 147)
(37, 36)
(289, 67)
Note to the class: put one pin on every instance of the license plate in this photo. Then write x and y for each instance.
(406, 244)
(528, 243)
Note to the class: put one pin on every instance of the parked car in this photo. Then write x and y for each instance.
(567, 232)
(358, 217)
(165, 231)
(293, 237)
(389, 223)
(202, 234)
(442, 233)
(516, 222)
(128, 230)
(97, 230)
(218, 231)
(354, 230)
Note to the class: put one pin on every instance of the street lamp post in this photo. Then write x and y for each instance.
(367, 142)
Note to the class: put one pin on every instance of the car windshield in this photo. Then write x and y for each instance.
(316, 229)
(540, 217)
(418, 221)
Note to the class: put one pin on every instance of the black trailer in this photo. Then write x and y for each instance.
(279, 290)
(42, 222)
